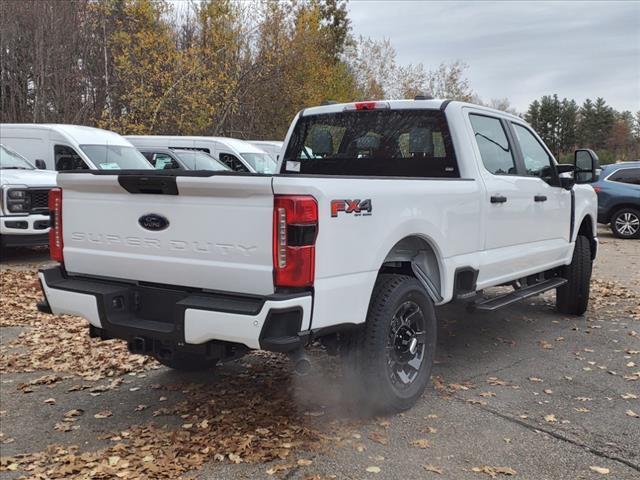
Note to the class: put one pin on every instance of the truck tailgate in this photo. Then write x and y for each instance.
(218, 234)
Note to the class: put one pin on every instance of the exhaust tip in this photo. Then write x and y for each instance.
(302, 366)
(301, 362)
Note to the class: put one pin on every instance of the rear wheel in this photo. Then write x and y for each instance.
(188, 362)
(573, 297)
(625, 223)
(392, 356)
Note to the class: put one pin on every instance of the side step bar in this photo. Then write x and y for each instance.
(492, 304)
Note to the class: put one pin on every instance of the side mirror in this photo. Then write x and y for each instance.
(40, 164)
(587, 166)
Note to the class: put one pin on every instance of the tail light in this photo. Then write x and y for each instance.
(295, 227)
(597, 189)
(55, 230)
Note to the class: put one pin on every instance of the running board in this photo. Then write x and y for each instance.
(492, 304)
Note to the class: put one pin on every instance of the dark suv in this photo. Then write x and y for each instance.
(618, 192)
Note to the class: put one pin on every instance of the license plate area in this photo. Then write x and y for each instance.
(148, 308)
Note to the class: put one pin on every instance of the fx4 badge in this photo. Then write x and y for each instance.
(357, 207)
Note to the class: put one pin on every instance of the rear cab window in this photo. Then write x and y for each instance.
(373, 143)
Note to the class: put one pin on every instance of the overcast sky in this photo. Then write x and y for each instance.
(518, 50)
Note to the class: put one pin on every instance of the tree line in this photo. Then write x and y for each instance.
(564, 125)
(240, 69)
(214, 67)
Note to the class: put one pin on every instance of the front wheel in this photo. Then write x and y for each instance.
(573, 297)
(625, 223)
(392, 355)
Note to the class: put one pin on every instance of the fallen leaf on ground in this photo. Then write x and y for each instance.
(631, 413)
(551, 418)
(103, 414)
(601, 470)
(379, 438)
(493, 472)
(431, 468)
(420, 443)
(373, 469)
(278, 468)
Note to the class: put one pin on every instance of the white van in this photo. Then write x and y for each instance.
(272, 147)
(238, 155)
(71, 147)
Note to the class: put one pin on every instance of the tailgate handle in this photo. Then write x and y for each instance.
(149, 184)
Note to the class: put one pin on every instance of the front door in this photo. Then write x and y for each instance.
(551, 204)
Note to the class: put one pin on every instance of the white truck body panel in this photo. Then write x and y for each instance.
(228, 220)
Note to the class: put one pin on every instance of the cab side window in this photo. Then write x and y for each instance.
(66, 158)
(492, 141)
(537, 162)
(233, 162)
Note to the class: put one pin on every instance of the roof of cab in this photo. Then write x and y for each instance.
(406, 104)
(241, 146)
(78, 133)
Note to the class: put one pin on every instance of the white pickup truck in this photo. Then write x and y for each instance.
(24, 192)
(380, 211)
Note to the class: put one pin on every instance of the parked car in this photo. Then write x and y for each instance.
(238, 155)
(272, 147)
(618, 190)
(71, 147)
(403, 205)
(24, 211)
(168, 159)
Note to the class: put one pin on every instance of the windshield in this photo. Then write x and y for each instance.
(116, 157)
(11, 160)
(399, 143)
(196, 160)
(261, 162)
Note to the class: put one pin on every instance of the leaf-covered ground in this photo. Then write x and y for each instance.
(525, 393)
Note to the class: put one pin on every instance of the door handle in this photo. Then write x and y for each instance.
(498, 199)
(540, 198)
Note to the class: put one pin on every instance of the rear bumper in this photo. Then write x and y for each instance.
(175, 316)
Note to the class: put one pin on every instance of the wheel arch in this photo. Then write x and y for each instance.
(588, 229)
(417, 251)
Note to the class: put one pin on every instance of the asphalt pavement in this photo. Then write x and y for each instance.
(523, 393)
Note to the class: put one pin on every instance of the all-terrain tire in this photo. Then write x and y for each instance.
(573, 297)
(188, 362)
(625, 223)
(368, 364)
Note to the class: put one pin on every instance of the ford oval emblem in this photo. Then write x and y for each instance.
(153, 221)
